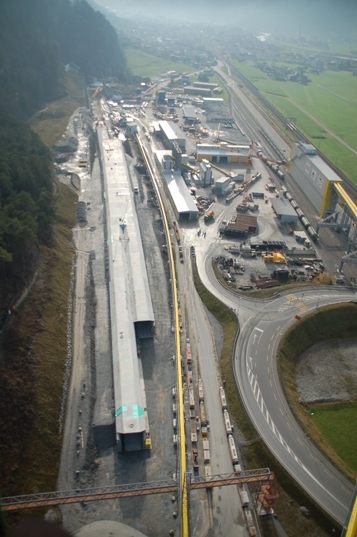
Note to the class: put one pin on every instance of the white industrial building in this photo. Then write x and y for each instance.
(189, 114)
(284, 211)
(170, 134)
(131, 310)
(209, 101)
(223, 186)
(205, 172)
(313, 176)
(184, 205)
(224, 153)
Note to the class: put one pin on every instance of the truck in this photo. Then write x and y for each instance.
(181, 253)
(208, 216)
(195, 460)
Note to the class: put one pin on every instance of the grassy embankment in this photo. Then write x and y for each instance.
(256, 455)
(331, 99)
(51, 122)
(147, 65)
(33, 347)
(33, 355)
(331, 426)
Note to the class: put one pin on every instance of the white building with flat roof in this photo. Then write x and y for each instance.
(131, 310)
(170, 134)
(184, 206)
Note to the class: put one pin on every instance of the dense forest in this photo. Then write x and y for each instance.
(37, 38)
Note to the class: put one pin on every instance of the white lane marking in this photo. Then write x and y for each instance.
(255, 335)
(271, 424)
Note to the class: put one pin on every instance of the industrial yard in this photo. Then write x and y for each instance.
(174, 179)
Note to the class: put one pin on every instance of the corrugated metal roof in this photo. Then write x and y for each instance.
(282, 207)
(130, 299)
(324, 168)
(211, 150)
(169, 130)
(179, 192)
(189, 112)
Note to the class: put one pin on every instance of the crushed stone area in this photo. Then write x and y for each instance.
(327, 372)
(89, 457)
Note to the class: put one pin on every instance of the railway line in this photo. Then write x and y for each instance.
(350, 188)
(181, 419)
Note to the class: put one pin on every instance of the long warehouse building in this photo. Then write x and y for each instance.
(131, 308)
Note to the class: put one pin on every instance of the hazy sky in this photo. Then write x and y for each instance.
(308, 16)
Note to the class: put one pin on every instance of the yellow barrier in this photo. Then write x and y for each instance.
(182, 444)
(346, 198)
(352, 525)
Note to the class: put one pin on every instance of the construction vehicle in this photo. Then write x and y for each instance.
(181, 253)
(275, 257)
(208, 216)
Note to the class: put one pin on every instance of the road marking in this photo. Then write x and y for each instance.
(268, 370)
(346, 490)
(281, 412)
(278, 329)
(268, 358)
(290, 426)
(271, 384)
(255, 335)
(313, 456)
(269, 347)
(328, 473)
(254, 384)
(273, 336)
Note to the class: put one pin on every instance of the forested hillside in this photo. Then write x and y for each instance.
(37, 38)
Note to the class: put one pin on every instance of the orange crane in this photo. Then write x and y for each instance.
(261, 157)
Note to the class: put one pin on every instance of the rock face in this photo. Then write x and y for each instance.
(327, 372)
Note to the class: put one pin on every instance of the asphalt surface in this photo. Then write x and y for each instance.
(262, 324)
(256, 373)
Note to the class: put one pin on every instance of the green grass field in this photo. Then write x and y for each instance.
(142, 64)
(335, 48)
(328, 103)
(332, 322)
(334, 421)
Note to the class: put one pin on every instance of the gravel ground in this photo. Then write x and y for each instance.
(327, 372)
(98, 460)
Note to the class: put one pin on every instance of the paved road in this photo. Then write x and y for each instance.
(256, 372)
(225, 515)
(262, 325)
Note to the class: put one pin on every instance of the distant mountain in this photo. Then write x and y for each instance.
(37, 36)
(312, 16)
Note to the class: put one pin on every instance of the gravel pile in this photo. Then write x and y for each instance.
(327, 372)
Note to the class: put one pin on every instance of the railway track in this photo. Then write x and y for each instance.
(350, 188)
